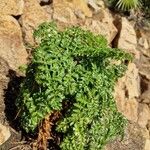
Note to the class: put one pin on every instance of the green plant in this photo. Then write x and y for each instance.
(128, 4)
(125, 5)
(73, 69)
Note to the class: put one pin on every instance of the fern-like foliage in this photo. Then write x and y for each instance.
(75, 66)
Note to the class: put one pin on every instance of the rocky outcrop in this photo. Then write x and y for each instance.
(82, 5)
(12, 49)
(144, 115)
(33, 16)
(11, 7)
(102, 24)
(4, 134)
(126, 38)
(64, 12)
(135, 138)
(126, 91)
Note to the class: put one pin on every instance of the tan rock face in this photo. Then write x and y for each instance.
(32, 17)
(103, 26)
(11, 7)
(64, 12)
(12, 49)
(82, 5)
(127, 38)
(134, 139)
(144, 67)
(144, 42)
(144, 115)
(126, 91)
(4, 134)
(147, 145)
(3, 85)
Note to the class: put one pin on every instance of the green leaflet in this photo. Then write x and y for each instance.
(73, 65)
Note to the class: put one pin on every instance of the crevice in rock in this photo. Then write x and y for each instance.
(16, 17)
(126, 93)
(118, 25)
(10, 95)
(143, 84)
(46, 2)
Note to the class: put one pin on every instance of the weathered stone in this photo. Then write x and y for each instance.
(93, 4)
(32, 17)
(145, 71)
(100, 3)
(145, 97)
(126, 91)
(64, 12)
(144, 43)
(134, 139)
(48, 9)
(79, 14)
(4, 134)
(82, 5)
(127, 37)
(12, 49)
(132, 81)
(103, 26)
(144, 115)
(11, 7)
(147, 145)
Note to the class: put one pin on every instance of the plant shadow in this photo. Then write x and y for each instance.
(10, 95)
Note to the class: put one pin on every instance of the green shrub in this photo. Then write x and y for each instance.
(75, 67)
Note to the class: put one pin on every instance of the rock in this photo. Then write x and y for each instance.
(93, 4)
(82, 5)
(145, 97)
(64, 12)
(11, 7)
(144, 67)
(132, 81)
(129, 109)
(145, 71)
(144, 115)
(134, 139)
(12, 49)
(127, 37)
(147, 145)
(32, 17)
(100, 3)
(125, 97)
(4, 134)
(79, 14)
(48, 9)
(103, 26)
(144, 43)
(4, 68)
